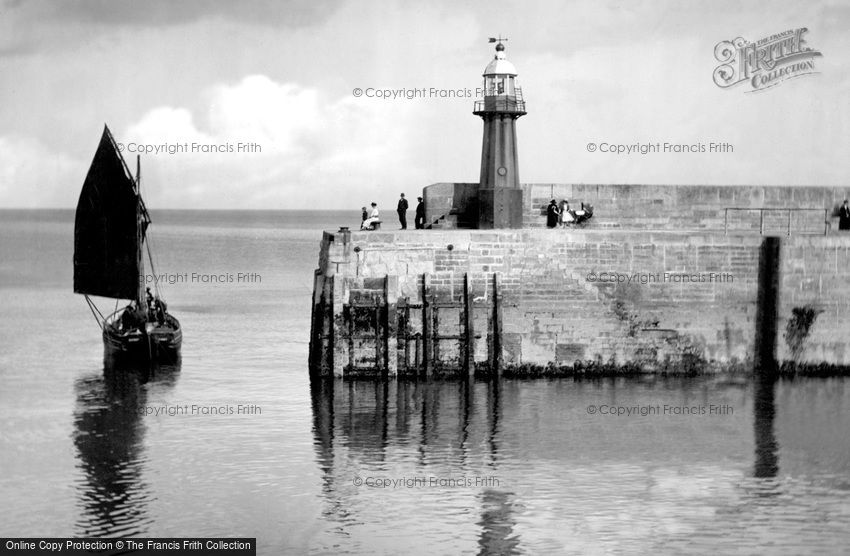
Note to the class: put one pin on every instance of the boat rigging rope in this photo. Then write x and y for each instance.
(153, 270)
(95, 312)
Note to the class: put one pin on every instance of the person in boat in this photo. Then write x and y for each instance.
(374, 218)
(149, 299)
(128, 318)
(132, 318)
(552, 214)
(161, 309)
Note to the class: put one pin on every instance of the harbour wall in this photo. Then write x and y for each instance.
(453, 301)
(768, 209)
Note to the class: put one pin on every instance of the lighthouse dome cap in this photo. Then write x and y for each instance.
(499, 65)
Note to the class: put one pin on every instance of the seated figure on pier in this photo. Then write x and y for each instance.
(374, 220)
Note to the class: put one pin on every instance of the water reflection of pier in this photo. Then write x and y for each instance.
(764, 414)
(443, 427)
(109, 437)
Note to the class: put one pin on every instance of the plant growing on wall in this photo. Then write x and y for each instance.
(798, 327)
(625, 296)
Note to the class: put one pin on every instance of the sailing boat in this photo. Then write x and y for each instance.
(109, 239)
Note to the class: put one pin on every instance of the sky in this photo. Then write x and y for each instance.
(279, 77)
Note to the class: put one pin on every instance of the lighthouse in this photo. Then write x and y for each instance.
(499, 194)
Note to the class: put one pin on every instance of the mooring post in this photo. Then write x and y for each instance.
(496, 340)
(403, 334)
(766, 305)
(469, 351)
(427, 326)
(391, 324)
(348, 321)
(338, 345)
(764, 415)
(317, 318)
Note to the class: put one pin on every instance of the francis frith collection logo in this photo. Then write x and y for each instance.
(766, 62)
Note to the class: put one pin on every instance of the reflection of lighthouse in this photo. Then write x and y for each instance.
(499, 195)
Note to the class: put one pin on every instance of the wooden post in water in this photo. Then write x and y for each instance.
(764, 415)
(427, 327)
(391, 324)
(766, 305)
(348, 320)
(317, 323)
(469, 351)
(496, 340)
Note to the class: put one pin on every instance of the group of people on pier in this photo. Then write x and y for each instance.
(371, 220)
(560, 214)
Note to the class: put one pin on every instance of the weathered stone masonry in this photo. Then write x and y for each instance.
(411, 302)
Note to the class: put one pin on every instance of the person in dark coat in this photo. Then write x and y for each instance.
(363, 216)
(420, 214)
(128, 318)
(844, 216)
(552, 214)
(402, 212)
(149, 299)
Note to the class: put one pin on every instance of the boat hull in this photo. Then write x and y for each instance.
(155, 343)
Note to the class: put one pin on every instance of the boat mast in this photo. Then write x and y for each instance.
(140, 300)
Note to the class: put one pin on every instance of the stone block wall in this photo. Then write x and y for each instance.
(692, 207)
(661, 207)
(648, 298)
(450, 205)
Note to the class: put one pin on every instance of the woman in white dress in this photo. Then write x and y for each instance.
(567, 217)
(374, 218)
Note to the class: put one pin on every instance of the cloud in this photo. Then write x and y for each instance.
(292, 13)
(590, 72)
(30, 28)
(29, 171)
(273, 145)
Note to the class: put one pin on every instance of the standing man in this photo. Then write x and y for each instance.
(844, 216)
(420, 214)
(402, 212)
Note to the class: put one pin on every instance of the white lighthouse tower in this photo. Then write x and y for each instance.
(499, 194)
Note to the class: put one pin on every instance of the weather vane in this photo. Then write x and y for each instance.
(500, 39)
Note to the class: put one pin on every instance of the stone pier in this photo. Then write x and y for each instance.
(456, 301)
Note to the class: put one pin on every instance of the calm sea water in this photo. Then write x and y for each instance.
(530, 467)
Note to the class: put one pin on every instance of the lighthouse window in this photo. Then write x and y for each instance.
(501, 86)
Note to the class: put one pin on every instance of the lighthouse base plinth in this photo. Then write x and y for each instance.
(499, 208)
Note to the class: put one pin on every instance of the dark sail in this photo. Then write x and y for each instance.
(107, 233)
